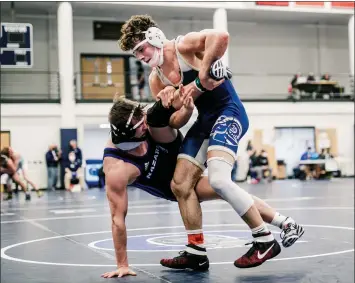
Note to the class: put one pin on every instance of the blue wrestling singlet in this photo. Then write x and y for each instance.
(157, 166)
(222, 119)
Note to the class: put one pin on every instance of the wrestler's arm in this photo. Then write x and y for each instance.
(158, 89)
(209, 44)
(181, 117)
(118, 175)
(160, 134)
(203, 48)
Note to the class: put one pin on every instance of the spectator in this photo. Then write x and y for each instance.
(250, 148)
(53, 157)
(325, 77)
(264, 170)
(311, 170)
(253, 164)
(309, 154)
(73, 170)
(78, 155)
(325, 154)
(140, 79)
(295, 79)
(311, 77)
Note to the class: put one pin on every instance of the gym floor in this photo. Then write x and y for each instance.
(66, 237)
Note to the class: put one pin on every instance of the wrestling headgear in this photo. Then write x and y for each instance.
(123, 135)
(156, 38)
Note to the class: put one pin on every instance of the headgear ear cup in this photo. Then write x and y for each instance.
(218, 71)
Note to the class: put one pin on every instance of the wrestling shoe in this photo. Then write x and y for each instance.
(28, 197)
(258, 254)
(188, 260)
(290, 233)
(9, 196)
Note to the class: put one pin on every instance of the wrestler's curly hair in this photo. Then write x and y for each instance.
(122, 108)
(132, 31)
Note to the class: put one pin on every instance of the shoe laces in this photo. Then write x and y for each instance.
(252, 249)
(285, 231)
(182, 254)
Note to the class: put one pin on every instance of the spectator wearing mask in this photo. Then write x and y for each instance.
(73, 146)
(73, 170)
(53, 157)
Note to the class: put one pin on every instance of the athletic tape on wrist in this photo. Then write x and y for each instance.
(198, 85)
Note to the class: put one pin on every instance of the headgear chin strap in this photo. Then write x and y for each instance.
(156, 38)
(124, 134)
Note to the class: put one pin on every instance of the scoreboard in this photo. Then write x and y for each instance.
(16, 44)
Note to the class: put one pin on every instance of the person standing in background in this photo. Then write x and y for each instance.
(140, 79)
(53, 157)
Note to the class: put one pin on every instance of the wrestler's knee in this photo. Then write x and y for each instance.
(182, 188)
(185, 178)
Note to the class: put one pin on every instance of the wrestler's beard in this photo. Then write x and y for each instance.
(157, 59)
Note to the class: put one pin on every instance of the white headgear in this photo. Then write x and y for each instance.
(156, 38)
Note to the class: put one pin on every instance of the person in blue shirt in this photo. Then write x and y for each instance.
(73, 146)
(73, 171)
(309, 154)
(311, 170)
(53, 157)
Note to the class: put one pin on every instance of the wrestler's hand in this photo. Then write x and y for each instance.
(166, 96)
(122, 271)
(189, 102)
(207, 82)
(179, 97)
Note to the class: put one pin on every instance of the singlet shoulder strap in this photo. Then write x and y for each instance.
(115, 153)
(184, 65)
(162, 77)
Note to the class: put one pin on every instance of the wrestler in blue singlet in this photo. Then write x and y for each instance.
(222, 119)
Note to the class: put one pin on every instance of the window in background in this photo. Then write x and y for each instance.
(291, 142)
(102, 76)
